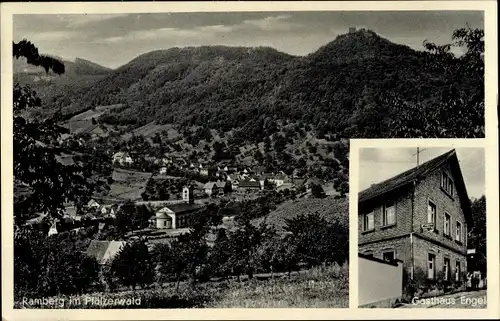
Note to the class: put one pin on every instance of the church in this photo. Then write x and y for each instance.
(175, 216)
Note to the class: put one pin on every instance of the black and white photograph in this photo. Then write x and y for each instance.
(422, 228)
(201, 160)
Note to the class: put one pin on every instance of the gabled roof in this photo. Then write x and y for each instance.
(220, 184)
(419, 172)
(209, 185)
(104, 250)
(403, 178)
(182, 208)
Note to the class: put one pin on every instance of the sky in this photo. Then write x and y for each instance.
(390, 162)
(114, 39)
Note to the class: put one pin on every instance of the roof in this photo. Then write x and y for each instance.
(220, 184)
(92, 202)
(65, 159)
(259, 169)
(403, 178)
(247, 183)
(160, 215)
(285, 186)
(182, 208)
(417, 173)
(281, 176)
(209, 185)
(102, 251)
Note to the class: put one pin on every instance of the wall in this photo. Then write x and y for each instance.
(400, 246)
(429, 189)
(402, 199)
(422, 248)
(378, 282)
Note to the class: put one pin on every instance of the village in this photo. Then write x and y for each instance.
(171, 216)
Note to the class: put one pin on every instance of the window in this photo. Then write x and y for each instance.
(368, 222)
(446, 269)
(447, 183)
(457, 271)
(447, 224)
(458, 236)
(431, 213)
(389, 217)
(431, 266)
(388, 256)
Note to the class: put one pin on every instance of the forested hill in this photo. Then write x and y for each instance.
(353, 86)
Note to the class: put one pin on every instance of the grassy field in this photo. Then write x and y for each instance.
(320, 287)
(330, 208)
(128, 184)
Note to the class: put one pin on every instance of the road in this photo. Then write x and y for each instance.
(460, 300)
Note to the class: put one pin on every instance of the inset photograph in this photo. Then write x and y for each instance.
(422, 228)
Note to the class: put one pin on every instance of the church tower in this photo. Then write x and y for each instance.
(188, 194)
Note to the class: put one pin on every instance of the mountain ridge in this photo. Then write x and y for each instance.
(337, 88)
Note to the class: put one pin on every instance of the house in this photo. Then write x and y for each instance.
(222, 185)
(122, 158)
(93, 204)
(279, 179)
(286, 186)
(108, 210)
(103, 251)
(53, 229)
(101, 226)
(234, 180)
(259, 170)
(163, 170)
(174, 216)
(249, 185)
(211, 189)
(312, 181)
(207, 171)
(419, 217)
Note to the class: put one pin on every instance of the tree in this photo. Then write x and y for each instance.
(190, 251)
(243, 244)
(133, 265)
(317, 191)
(220, 254)
(477, 234)
(318, 240)
(36, 149)
(51, 266)
(460, 111)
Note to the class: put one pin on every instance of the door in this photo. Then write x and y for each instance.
(431, 266)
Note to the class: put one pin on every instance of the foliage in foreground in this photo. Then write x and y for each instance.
(321, 287)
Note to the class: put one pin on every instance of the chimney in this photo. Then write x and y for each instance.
(352, 29)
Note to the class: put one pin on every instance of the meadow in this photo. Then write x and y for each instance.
(318, 287)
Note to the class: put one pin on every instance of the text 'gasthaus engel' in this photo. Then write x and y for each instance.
(98, 301)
